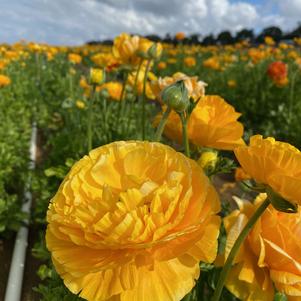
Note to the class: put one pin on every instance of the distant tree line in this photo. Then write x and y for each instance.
(224, 37)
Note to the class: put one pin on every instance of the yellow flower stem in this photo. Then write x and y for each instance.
(162, 124)
(244, 233)
(185, 135)
(90, 119)
(143, 97)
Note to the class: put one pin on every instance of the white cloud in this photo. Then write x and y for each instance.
(77, 21)
(291, 8)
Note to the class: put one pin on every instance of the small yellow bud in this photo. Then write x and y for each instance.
(97, 76)
(208, 159)
(80, 104)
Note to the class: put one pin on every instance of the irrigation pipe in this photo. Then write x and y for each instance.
(15, 278)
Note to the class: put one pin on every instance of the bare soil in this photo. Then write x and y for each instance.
(6, 250)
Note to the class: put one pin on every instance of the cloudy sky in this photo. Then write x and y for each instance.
(74, 22)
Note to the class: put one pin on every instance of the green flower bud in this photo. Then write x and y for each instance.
(176, 96)
(152, 51)
(104, 93)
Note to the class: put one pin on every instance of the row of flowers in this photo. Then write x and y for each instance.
(133, 219)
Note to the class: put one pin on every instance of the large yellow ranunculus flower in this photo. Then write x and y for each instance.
(274, 163)
(131, 221)
(270, 254)
(125, 48)
(213, 123)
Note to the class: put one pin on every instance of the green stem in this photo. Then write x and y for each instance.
(185, 135)
(162, 124)
(143, 97)
(104, 102)
(291, 98)
(90, 119)
(121, 104)
(244, 233)
(137, 76)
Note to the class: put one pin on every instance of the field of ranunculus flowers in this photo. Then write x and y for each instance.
(157, 172)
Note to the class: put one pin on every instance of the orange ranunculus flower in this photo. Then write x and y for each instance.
(162, 65)
(277, 71)
(270, 253)
(4, 80)
(256, 55)
(125, 49)
(74, 58)
(180, 36)
(189, 61)
(212, 63)
(273, 163)
(114, 89)
(131, 221)
(213, 123)
(196, 89)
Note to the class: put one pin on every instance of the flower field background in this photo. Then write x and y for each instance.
(85, 97)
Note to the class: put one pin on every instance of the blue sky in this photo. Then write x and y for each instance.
(73, 22)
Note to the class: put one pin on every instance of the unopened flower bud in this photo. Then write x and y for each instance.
(154, 51)
(176, 96)
(208, 159)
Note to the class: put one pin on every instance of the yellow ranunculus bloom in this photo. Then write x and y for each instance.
(114, 89)
(231, 83)
(96, 76)
(80, 104)
(125, 48)
(212, 63)
(145, 45)
(140, 81)
(273, 163)
(131, 221)
(270, 254)
(2, 64)
(4, 80)
(213, 123)
(74, 58)
(162, 65)
(269, 41)
(189, 61)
